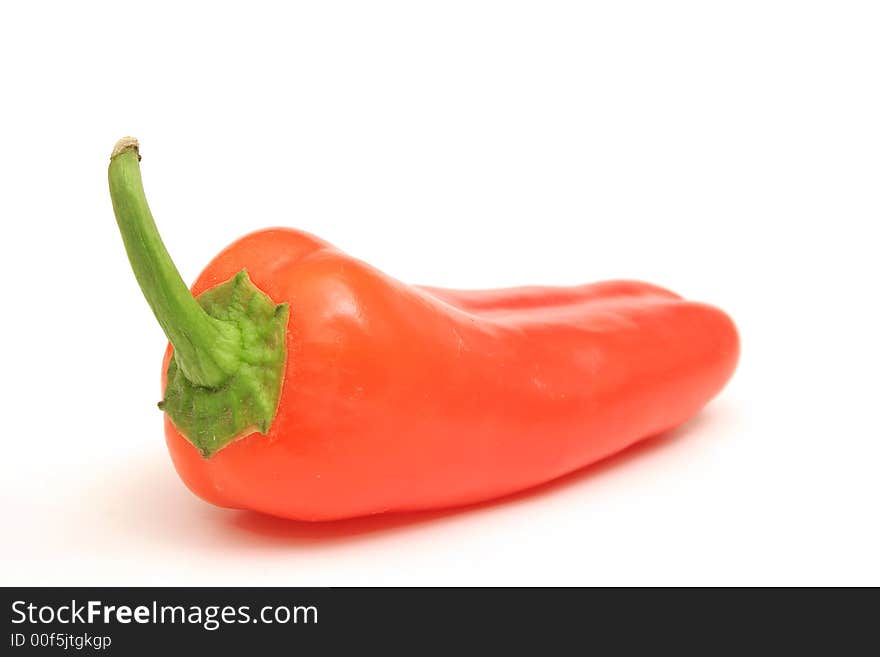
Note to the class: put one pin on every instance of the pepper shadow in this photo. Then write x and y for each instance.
(274, 530)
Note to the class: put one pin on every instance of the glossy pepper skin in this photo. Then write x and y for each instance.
(401, 398)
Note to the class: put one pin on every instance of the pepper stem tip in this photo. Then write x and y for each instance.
(125, 144)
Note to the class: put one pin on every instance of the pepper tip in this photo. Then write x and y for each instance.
(125, 144)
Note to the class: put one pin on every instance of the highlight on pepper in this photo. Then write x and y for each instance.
(304, 383)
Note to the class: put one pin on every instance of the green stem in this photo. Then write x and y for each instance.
(207, 350)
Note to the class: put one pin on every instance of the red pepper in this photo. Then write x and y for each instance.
(315, 387)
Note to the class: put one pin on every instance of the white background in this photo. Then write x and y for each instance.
(729, 151)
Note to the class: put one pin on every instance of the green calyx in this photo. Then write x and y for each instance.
(211, 418)
(224, 379)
